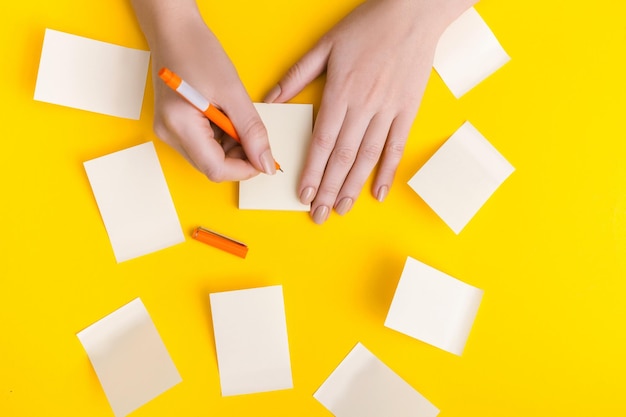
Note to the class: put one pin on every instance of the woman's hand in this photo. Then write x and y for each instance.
(180, 40)
(377, 61)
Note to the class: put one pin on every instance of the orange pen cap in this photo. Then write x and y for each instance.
(220, 241)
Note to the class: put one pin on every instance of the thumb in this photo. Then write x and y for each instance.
(307, 69)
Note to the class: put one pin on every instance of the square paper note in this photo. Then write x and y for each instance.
(251, 340)
(467, 53)
(363, 386)
(433, 307)
(129, 358)
(289, 128)
(91, 75)
(461, 176)
(134, 201)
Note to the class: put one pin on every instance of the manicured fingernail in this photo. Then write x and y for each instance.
(273, 94)
(320, 215)
(307, 195)
(344, 206)
(267, 162)
(382, 193)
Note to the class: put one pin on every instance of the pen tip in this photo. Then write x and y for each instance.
(281, 170)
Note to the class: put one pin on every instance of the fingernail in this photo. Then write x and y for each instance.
(267, 162)
(344, 206)
(307, 195)
(382, 193)
(320, 215)
(273, 94)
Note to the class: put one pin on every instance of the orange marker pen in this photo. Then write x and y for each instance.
(196, 99)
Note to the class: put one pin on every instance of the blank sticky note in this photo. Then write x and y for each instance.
(433, 307)
(129, 358)
(91, 75)
(251, 340)
(134, 201)
(289, 128)
(364, 386)
(467, 53)
(461, 176)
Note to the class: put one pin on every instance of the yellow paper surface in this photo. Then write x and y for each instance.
(548, 248)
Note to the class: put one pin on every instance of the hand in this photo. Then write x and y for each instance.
(378, 61)
(183, 43)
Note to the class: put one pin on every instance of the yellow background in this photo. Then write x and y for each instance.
(548, 248)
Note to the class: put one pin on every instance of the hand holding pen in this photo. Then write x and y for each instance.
(187, 42)
(193, 96)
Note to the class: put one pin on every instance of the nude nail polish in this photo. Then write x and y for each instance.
(307, 195)
(273, 94)
(344, 206)
(382, 193)
(321, 214)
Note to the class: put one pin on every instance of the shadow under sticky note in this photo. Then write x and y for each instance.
(461, 176)
(91, 75)
(289, 128)
(251, 340)
(433, 307)
(467, 53)
(129, 358)
(134, 201)
(364, 386)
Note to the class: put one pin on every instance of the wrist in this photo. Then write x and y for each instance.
(434, 16)
(161, 20)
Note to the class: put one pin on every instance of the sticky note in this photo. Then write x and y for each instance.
(129, 358)
(467, 53)
(461, 176)
(289, 128)
(364, 386)
(433, 307)
(251, 340)
(91, 75)
(134, 201)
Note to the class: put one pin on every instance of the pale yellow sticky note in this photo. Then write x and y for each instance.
(461, 176)
(91, 75)
(289, 128)
(467, 53)
(363, 386)
(251, 340)
(433, 307)
(129, 358)
(134, 201)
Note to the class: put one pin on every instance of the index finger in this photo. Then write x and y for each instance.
(251, 131)
(325, 132)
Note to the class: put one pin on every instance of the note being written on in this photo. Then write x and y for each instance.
(129, 358)
(91, 75)
(467, 53)
(461, 176)
(289, 128)
(364, 386)
(433, 307)
(134, 201)
(251, 340)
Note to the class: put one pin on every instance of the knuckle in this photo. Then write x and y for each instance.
(329, 190)
(345, 156)
(254, 129)
(371, 152)
(213, 173)
(295, 72)
(395, 147)
(324, 141)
